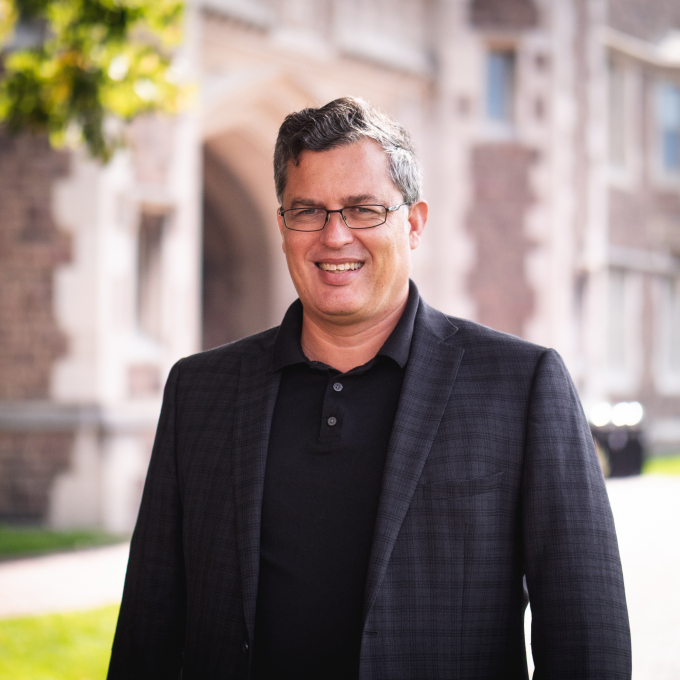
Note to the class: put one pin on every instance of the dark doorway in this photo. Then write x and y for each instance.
(236, 268)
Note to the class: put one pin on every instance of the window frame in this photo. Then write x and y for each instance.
(626, 174)
(625, 376)
(667, 373)
(665, 177)
(503, 128)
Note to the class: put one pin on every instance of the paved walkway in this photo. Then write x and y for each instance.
(646, 511)
(70, 581)
(647, 515)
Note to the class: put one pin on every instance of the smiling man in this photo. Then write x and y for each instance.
(347, 234)
(372, 489)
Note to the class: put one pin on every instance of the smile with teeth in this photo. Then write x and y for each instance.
(343, 267)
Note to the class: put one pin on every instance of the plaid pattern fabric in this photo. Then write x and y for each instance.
(491, 476)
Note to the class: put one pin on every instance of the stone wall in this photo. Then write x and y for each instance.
(31, 247)
(646, 19)
(503, 14)
(29, 462)
(500, 174)
(645, 218)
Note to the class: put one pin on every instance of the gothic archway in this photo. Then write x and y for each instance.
(236, 255)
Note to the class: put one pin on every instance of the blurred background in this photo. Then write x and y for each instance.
(549, 132)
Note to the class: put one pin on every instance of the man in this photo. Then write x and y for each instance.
(369, 490)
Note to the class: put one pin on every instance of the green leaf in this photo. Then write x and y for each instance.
(100, 58)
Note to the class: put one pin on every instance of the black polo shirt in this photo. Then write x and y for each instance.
(329, 437)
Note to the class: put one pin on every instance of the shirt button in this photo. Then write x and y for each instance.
(332, 420)
(337, 387)
(245, 646)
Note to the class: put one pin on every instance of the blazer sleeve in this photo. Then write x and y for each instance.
(571, 558)
(149, 636)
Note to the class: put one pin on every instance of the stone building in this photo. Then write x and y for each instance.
(549, 132)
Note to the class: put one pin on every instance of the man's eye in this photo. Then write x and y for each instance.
(307, 212)
(363, 210)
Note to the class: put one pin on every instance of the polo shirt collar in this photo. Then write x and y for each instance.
(288, 348)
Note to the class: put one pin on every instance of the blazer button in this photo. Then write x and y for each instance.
(245, 647)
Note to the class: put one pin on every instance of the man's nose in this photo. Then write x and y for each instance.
(336, 233)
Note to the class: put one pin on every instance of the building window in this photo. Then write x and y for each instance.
(617, 115)
(669, 127)
(500, 86)
(149, 279)
(670, 326)
(616, 339)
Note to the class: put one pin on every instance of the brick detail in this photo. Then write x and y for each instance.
(29, 461)
(502, 195)
(645, 219)
(646, 19)
(503, 14)
(31, 248)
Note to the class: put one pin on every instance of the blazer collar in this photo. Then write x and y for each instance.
(430, 375)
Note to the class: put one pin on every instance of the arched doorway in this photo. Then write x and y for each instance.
(236, 254)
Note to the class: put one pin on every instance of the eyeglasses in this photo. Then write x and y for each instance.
(354, 216)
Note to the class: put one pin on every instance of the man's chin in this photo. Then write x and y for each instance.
(341, 314)
(338, 308)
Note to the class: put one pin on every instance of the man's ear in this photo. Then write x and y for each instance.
(417, 218)
(279, 221)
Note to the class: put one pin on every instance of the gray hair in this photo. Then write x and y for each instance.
(345, 121)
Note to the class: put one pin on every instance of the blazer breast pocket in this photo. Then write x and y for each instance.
(455, 489)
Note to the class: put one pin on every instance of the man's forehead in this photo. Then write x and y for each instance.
(359, 172)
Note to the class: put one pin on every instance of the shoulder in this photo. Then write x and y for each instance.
(475, 338)
(501, 366)
(227, 359)
(488, 358)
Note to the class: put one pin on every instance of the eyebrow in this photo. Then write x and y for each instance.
(357, 199)
(362, 198)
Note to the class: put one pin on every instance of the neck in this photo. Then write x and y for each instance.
(346, 346)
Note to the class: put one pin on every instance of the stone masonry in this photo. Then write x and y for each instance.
(31, 247)
(502, 195)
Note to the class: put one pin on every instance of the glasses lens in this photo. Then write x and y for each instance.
(364, 216)
(305, 219)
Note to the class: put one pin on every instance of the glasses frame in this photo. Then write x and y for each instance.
(282, 214)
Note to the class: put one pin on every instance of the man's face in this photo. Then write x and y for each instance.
(380, 257)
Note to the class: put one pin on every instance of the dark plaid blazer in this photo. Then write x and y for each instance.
(491, 476)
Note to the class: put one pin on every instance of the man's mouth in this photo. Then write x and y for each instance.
(340, 267)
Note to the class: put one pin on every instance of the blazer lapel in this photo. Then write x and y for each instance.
(258, 388)
(430, 374)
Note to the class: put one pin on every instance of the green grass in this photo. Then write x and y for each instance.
(73, 646)
(667, 465)
(20, 541)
